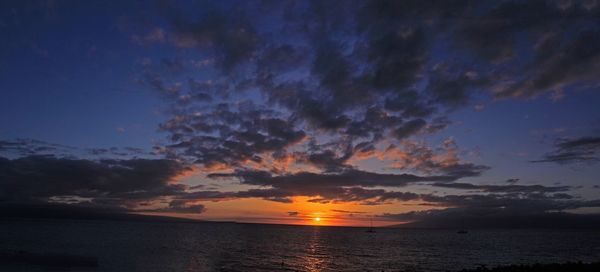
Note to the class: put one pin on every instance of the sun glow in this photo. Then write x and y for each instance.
(301, 212)
(317, 220)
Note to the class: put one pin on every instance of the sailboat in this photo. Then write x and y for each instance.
(371, 230)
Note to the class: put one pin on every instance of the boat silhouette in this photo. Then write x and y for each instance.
(370, 230)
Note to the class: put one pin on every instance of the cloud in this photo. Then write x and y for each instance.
(69, 211)
(504, 188)
(576, 62)
(107, 182)
(578, 150)
(179, 206)
(501, 211)
(25, 147)
(512, 180)
(349, 185)
(475, 219)
(317, 194)
(228, 35)
(412, 155)
(155, 35)
(344, 211)
(16, 148)
(110, 187)
(338, 97)
(349, 177)
(243, 135)
(409, 128)
(453, 87)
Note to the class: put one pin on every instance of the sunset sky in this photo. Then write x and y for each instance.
(284, 111)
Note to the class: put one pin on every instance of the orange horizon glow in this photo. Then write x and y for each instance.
(300, 212)
(276, 221)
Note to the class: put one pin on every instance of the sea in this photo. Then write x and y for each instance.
(184, 246)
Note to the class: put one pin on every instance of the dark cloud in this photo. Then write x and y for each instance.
(327, 160)
(397, 58)
(513, 199)
(436, 125)
(504, 188)
(26, 147)
(113, 183)
(359, 195)
(227, 34)
(410, 104)
(347, 186)
(120, 186)
(344, 211)
(69, 211)
(512, 180)
(579, 150)
(179, 206)
(577, 61)
(474, 219)
(526, 201)
(113, 152)
(501, 211)
(373, 124)
(350, 177)
(241, 135)
(409, 128)
(453, 87)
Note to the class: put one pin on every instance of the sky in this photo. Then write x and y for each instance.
(430, 113)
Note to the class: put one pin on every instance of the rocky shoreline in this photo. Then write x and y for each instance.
(556, 267)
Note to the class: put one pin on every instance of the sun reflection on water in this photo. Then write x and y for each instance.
(315, 259)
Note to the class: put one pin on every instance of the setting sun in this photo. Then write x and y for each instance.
(317, 219)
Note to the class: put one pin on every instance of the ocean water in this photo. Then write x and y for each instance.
(165, 246)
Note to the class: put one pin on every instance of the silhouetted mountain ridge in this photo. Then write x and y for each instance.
(62, 211)
(538, 221)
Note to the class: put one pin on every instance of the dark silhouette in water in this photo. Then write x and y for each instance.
(371, 230)
(571, 267)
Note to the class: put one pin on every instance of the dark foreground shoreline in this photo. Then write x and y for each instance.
(556, 267)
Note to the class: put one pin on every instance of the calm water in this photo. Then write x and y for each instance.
(142, 246)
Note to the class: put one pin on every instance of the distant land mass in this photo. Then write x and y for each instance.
(557, 220)
(59, 211)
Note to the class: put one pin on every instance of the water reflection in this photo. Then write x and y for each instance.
(135, 246)
(315, 259)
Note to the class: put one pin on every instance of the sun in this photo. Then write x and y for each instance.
(317, 219)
